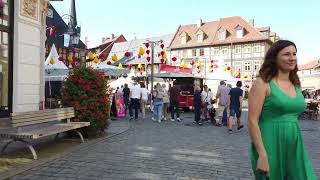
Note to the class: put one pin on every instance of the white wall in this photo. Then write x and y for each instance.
(28, 57)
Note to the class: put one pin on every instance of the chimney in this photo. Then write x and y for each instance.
(199, 24)
(251, 21)
(112, 36)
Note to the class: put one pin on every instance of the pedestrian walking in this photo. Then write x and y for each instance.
(135, 97)
(223, 102)
(158, 94)
(174, 102)
(144, 99)
(126, 96)
(165, 102)
(236, 97)
(204, 103)
(197, 103)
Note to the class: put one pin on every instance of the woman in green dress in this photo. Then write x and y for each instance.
(275, 102)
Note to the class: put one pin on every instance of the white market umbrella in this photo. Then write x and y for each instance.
(110, 70)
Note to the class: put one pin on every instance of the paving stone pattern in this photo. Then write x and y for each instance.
(167, 151)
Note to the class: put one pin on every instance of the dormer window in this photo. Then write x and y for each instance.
(200, 36)
(239, 31)
(183, 40)
(222, 33)
(184, 37)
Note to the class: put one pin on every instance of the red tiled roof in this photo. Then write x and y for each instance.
(310, 65)
(107, 42)
(211, 31)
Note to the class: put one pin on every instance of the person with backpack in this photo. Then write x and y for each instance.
(158, 94)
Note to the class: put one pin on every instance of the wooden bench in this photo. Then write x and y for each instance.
(35, 125)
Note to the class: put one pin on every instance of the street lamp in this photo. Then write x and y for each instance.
(74, 36)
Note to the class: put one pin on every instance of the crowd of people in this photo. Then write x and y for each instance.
(228, 101)
(226, 104)
(161, 100)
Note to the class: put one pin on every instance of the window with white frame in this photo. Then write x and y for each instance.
(257, 65)
(184, 53)
(202, 52)
(239, 32)
(257, 48)
(216, 51)
(247, 49)
(238, 49)
(224, 50)
(194, 52)
(247, 66)
(180, 53)
(222, 34)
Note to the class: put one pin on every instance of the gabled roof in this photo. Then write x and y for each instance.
(105, 44)
(310, 65)
(211, 30)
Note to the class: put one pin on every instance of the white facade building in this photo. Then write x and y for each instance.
(23, 55)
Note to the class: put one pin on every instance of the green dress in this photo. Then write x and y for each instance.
(282, 139)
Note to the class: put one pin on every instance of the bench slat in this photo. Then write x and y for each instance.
(40, 114)
(42, 111)
(46, 131)
(58, 128)
(32, 122)
(36, 118)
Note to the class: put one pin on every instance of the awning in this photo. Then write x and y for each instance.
(172, 75)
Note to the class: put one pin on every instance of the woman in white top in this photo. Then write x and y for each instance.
(165, 102)
(144, 99)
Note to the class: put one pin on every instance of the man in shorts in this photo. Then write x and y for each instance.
(235, 95)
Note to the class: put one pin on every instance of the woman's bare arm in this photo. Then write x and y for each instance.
(256, 99)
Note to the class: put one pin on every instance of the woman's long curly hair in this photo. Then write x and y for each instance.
(269, 68)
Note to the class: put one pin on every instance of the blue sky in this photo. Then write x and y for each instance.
(296, 20)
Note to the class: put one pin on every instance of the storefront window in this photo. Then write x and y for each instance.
(5, 57)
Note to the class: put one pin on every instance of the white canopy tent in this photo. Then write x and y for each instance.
(121, 81)
(110, 70)
(56, 71)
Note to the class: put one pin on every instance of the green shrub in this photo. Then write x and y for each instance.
(87, 91)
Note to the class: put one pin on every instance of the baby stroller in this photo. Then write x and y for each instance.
(212, 115)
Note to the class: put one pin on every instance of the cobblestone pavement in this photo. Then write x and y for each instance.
(168, 150)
